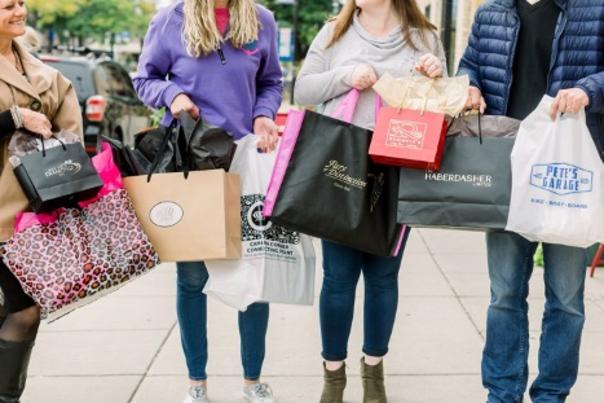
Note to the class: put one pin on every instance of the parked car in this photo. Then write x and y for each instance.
(110, 106)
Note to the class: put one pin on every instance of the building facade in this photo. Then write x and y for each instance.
(454, 19)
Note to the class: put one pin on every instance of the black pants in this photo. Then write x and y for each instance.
(15, 299)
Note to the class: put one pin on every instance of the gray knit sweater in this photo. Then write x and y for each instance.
(326, 75)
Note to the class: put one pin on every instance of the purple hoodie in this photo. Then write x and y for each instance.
(231, 87)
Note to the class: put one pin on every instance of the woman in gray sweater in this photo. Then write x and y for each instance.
(367, 39)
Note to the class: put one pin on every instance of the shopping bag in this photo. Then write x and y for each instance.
(188, 215)
(277, 264)
(472, 189)
(409, 138)
(56, 177)
(70, 257)
(196, 143)
(190, 218)
(410, 132)
(325, 185)
(557, 189)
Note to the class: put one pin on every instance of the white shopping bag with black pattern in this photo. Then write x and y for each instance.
(277, 265)
(557, 180)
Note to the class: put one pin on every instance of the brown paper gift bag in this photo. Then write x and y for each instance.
(191, 219)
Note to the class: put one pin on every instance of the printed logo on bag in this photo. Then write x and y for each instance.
(66, 168)
(406, 134)
(562, 178)
(472, 179)
(166, 214)
(254, 226)
(255, 218)
(337, 171)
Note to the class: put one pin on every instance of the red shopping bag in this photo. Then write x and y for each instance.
(409, 138)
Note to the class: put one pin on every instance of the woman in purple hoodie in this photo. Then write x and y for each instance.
(217, 59)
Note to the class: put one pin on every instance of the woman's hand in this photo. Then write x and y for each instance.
(182, 103)
(36, 122)
(430, 66)
(267, 129)
(363, 77)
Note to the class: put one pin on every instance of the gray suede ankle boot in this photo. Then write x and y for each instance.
(373, 383)
(334, 384)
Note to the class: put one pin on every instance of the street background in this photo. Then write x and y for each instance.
(125, 348)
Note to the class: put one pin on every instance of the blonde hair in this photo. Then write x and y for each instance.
(201, 34)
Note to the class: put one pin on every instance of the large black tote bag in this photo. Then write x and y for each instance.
(333, 191)
(473, 187)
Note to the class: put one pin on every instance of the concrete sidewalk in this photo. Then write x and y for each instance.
(125, 348)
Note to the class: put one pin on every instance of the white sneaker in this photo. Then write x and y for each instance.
(197, 394)
(259, 393)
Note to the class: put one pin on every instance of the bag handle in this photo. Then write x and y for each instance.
(345, 110)
(162, 149)
(44, 146)
(347, 107)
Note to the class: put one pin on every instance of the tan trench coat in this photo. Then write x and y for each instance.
(48, 92)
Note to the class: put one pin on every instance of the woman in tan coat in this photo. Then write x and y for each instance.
(39, 99)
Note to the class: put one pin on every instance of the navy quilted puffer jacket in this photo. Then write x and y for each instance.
(577, 56)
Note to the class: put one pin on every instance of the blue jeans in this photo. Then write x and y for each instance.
(342, 267)
(504, 363)
(191, 307)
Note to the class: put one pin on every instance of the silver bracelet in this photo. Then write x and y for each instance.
(17, 117)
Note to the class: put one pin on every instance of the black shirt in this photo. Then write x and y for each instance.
(533, 56)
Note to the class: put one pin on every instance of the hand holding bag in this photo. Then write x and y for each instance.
(410, 132)
(557, 182)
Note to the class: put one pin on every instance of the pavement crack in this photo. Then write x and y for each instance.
(450, 284)
(146, 373)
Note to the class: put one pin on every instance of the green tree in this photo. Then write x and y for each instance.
(84, 19)
(53, 14)
(97, 18)
(312, 15)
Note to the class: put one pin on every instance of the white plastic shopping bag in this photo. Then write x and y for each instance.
(277, 265)
(557, 189)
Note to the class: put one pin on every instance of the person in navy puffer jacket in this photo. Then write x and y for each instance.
(520, 50)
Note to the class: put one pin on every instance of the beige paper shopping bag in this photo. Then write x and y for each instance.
(191, 219)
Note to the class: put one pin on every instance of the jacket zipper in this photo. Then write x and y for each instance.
(221, 55)
(559, 29)
(511, 63)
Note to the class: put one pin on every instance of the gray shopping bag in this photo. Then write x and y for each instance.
(472, 189)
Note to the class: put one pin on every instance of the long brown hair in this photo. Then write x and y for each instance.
(408, 11)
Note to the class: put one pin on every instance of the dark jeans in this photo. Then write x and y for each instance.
(342, 268)
(504, 363)
(191, 306)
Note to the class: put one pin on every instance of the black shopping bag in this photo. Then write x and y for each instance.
(473, 187)
(57, 177)
(201, 145)
(333, 191)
